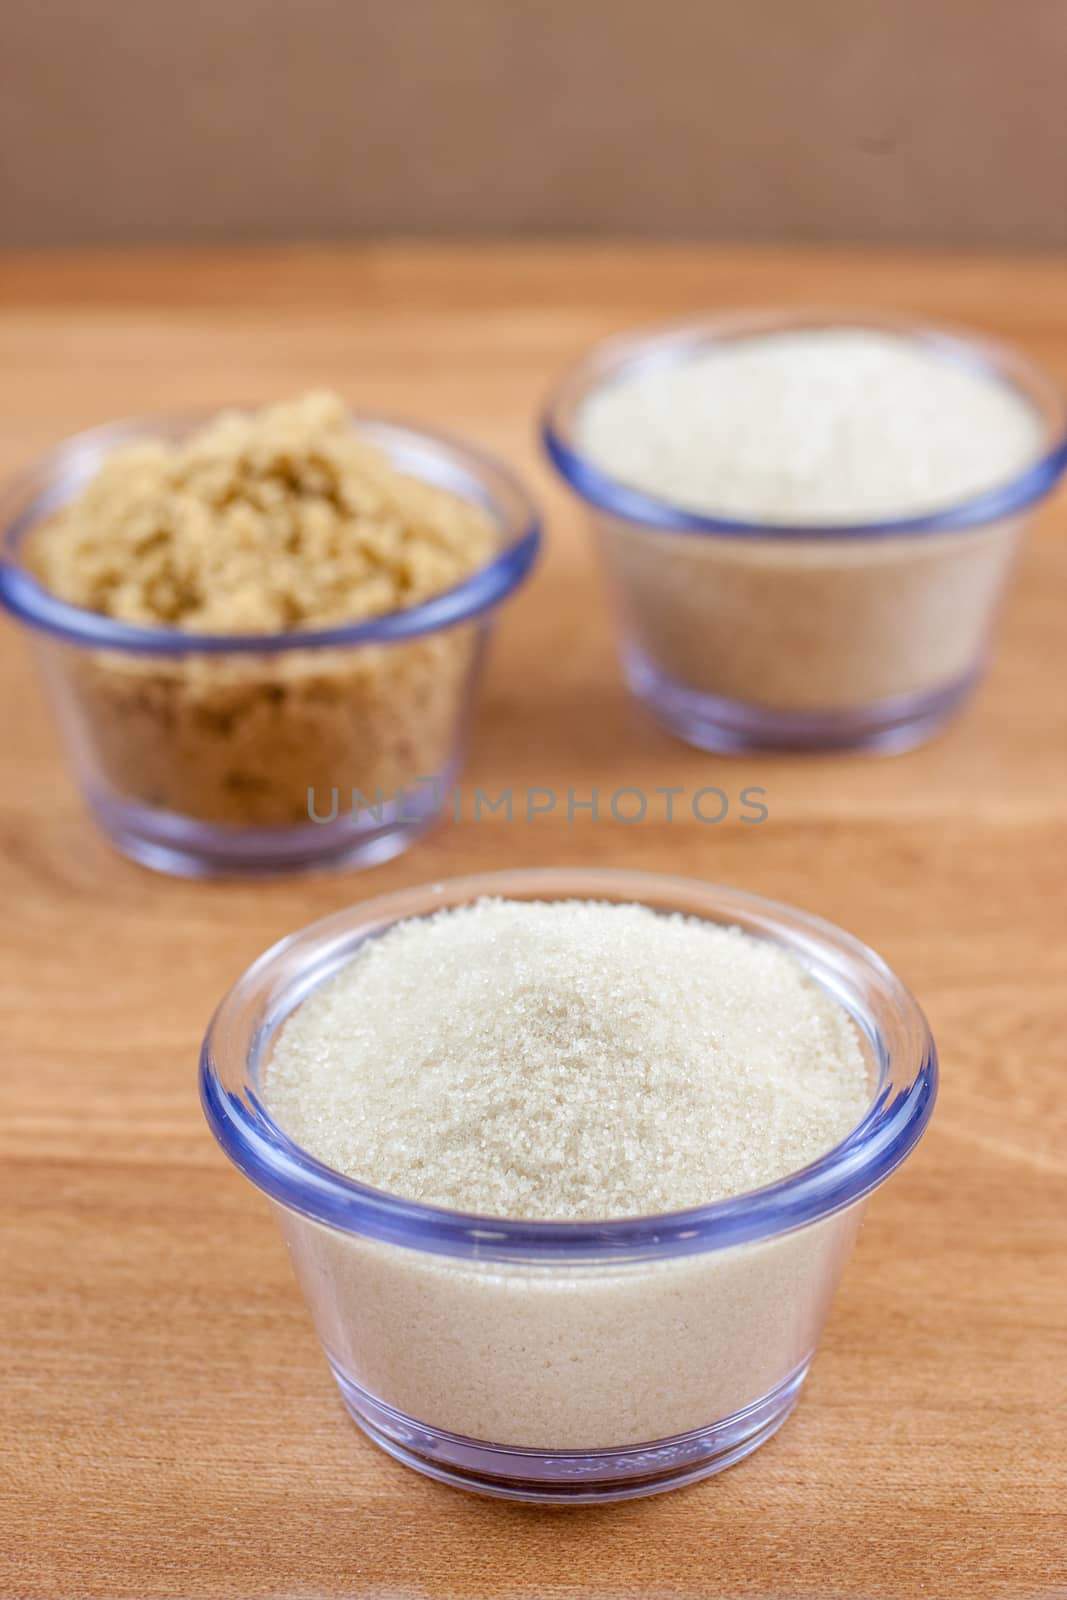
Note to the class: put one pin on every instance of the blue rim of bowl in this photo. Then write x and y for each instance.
(674, 343)
(900, 1110)
(53, 481)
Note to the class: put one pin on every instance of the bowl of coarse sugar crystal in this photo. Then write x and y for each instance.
(568, 1163)
(808, 519)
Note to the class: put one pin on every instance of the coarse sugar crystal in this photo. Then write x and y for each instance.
(568, 1060)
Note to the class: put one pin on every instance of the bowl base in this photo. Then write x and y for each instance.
(731, 727)
(572, 1477)
(187, 848)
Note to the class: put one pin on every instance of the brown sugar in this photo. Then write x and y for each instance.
(263, 523)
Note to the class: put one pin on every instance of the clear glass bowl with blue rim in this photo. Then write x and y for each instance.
(750, 635)
(204, 754)
(569, 1361)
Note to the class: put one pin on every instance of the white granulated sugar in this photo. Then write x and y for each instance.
(824, 425)
(567, 1060)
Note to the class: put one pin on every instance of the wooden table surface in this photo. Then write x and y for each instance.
(169, 1425)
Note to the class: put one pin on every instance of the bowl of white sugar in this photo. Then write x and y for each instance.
(568, 1163)
(808, 520)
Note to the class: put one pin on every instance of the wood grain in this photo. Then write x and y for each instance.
(169, 1425)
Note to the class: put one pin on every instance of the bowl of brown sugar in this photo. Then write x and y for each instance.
(261, 631)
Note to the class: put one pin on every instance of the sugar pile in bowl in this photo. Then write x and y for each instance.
(567, 1060)
(823, 434)
(823, 426)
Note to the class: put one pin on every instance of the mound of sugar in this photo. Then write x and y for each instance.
(820, 425)
(573, 1059)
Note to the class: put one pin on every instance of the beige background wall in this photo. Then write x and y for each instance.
(911, 120)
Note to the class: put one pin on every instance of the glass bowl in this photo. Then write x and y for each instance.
(202, 754)
(570, 1361)
(741, 635)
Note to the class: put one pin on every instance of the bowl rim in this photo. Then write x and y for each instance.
(674, 342)
(54, 478)
(241, 1031)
